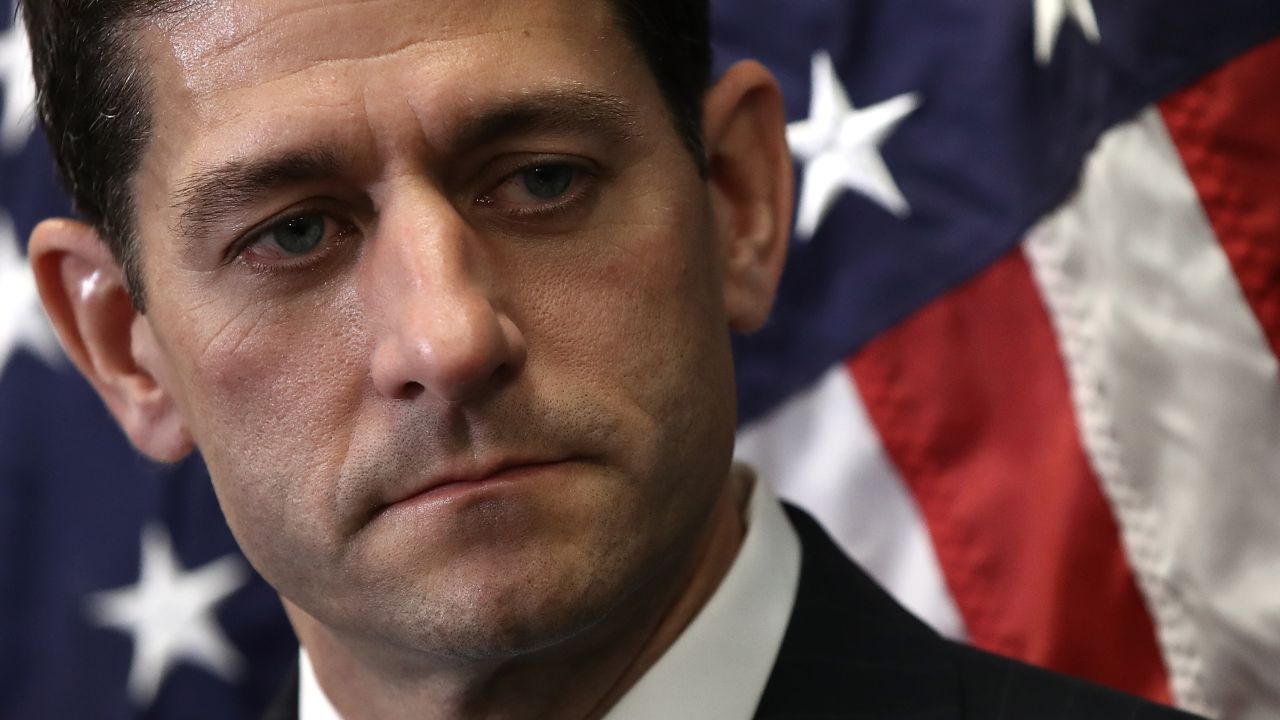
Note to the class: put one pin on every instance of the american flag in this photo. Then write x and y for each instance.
(1024, 365)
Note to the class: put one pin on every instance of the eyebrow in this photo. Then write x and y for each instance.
(214, 192)
(572, 110)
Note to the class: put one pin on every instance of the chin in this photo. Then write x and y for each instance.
(491, 605)
(482, 625)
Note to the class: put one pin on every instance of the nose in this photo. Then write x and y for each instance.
(440, 333)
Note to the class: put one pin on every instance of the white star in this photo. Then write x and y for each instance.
(840, 147)
(19, 117)
(22, 318)
(1051, 14)
(170, 615)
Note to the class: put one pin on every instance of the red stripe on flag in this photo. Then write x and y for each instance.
(1227, 130)
(970, 397)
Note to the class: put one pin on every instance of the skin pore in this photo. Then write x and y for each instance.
(455, 352)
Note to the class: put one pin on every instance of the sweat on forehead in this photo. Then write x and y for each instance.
(215, 43)
(95, 103)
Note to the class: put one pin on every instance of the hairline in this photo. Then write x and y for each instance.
(123, 35)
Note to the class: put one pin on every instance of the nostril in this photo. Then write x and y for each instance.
(448, 353)
(412, 390)
(504, 373)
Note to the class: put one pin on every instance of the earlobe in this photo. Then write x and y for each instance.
(113, 346)
(751, 188)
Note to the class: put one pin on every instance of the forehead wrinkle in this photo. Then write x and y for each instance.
(385, 55)
(218, 17)
(210, 65)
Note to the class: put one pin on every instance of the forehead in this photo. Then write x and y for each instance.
(231, 74)
(220, 42)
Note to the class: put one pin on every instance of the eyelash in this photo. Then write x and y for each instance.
(581, 185)
(585, 175)
(335, 232)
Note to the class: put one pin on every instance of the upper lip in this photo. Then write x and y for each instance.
(471, 472)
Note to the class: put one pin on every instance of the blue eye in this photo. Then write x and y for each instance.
(548, 182)
(298, 236)
(544, 189)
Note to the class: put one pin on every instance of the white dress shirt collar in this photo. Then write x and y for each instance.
(313, 704)
(720, 664)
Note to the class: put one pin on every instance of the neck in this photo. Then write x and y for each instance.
(582, 678)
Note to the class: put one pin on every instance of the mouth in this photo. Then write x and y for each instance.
(453, 484)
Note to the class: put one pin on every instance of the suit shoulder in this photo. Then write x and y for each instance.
(997, 687)
(852, 651)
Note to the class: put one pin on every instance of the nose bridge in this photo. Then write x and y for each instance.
(422, 245)
(439, 330)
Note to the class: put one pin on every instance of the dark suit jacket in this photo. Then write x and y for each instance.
(852, 652)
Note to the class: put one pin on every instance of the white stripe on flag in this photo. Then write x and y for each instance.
(1178, 398)
(822, 453)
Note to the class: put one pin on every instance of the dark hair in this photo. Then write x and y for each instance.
(94, 98)
(674, 37)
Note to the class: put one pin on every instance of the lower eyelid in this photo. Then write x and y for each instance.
(580, 184)
(336, 232)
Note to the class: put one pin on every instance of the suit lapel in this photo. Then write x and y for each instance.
(851, 650)
(285, 704)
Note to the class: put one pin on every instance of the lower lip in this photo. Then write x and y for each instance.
(455, 491)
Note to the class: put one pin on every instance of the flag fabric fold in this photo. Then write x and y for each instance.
(1023, 366)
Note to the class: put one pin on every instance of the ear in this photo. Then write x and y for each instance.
(113, 345)
(751, 188)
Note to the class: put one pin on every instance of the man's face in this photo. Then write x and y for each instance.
(435, 291)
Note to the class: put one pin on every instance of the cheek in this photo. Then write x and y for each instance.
(652, 310)
(635, 325)
(269, 393)
(630, 291)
